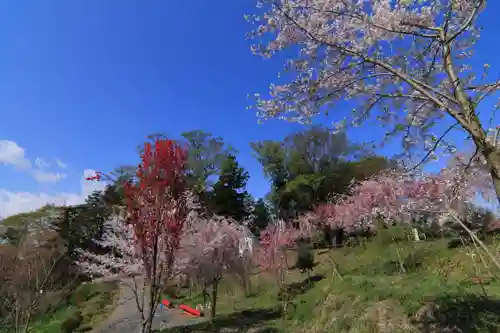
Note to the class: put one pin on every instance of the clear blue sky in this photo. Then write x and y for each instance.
(86, 81)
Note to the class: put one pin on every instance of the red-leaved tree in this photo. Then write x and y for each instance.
(157, 212)
(145, 242)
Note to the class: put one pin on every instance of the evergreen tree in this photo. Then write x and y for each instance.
(261, 216)
(79, 226)
(229, 195)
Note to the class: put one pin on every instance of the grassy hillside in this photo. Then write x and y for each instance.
(405, 287)
(90, 303)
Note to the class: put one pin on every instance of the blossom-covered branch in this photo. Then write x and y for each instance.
(404, 64)
(121, 258)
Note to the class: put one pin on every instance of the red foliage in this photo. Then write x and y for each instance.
(155, 204)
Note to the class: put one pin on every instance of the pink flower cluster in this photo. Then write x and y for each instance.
(396, 196)
(212, 247)
(275, 240)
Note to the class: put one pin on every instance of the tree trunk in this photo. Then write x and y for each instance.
(248, 286)
(493, 159)
(285, 302)
(338, 238)
(490, 151)
(206, 295)
(215, 284)
(147, 324)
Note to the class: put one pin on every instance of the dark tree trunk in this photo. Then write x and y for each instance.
(493, 160)
(215, 285)
(338, 238)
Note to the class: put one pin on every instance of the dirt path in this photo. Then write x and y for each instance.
(126, 319)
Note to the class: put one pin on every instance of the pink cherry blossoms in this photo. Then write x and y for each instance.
(212, 246)
(121, 257)
(275, 240)
(210, 249)
(396, 196)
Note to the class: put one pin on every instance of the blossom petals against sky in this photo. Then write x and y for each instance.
(84, 82)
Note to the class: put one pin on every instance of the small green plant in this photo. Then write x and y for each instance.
(392, 234)
(410, 263)
(72, 322)
(83, 293)
(305, 258)
(318, 239)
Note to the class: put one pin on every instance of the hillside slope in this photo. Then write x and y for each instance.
(398, 287)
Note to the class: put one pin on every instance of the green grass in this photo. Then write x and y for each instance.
(436, 292)
(92, 300)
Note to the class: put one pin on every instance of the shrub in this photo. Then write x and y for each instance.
(305, 258)
(84, 293)
(319, 239)
(72, 322)
(393, 234)
(408, 264)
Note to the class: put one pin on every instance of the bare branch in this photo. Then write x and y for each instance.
(434, 147)
(466, 25)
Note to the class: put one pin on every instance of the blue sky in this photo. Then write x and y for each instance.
(85, 81)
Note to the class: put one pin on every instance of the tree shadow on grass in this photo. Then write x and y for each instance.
(295, 266)
(454, 314)
(296, 288)
(241, 321)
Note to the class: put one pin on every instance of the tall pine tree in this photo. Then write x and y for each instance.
(262, 217)
(229, 195)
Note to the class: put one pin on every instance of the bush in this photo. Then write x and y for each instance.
(410, 263)
(52, 301)
(305, 257)
(72, 323)
(84, 293)
(319, 239)
(393, 234)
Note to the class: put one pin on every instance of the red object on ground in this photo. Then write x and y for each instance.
(190, 310)
(166, 303)
(188, 314)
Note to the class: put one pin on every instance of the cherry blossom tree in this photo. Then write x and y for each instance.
(243, 267)
(119, 258)
(210, 250)
(398, 197)
(146, 240)
(275, 240)
(406, 64)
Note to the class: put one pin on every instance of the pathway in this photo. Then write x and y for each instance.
(126, 319)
